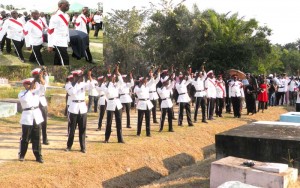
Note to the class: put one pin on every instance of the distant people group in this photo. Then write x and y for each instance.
(32, 30)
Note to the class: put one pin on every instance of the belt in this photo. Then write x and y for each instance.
(165, 98)
(31, 108)
(199, 90)
(143, 99)
(78, 101)
(182, 93)
(124, 94)
(101, 95)
(152, 91)
(113, 98)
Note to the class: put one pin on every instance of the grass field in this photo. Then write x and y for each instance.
(96, 47)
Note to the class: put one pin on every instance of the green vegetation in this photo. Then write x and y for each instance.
(176, 35)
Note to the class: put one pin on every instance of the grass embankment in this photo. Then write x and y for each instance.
(155, 161)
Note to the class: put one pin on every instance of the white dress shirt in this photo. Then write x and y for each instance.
(124, 92)
(143, 98)
(77, 93)
(80, 23)
(235, 89)
(164, 94)
(102, 96)
(182, 91)
(33, 31)
(13, 28)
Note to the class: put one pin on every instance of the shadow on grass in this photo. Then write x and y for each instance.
(178, 161)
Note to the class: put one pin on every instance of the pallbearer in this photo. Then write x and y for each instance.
(144, 105)
(235, 92)
(42, 80)
(102, 102)
(31, 119)
(125, 96)
(77, 110)
(166, 102)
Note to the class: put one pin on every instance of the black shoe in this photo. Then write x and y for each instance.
(40, 160)
(105, 141)
(21, 158)
(121, 142)
(160, 130)
(173, 118)
(68, 149)
(195, 121)
(155, 121)
(99, 129)
(190, 125)
(46, 142)
(171, 130)
(83, 151)
(204, 121)
(148, 135)
(92, 62)
(128, 126)
(138, 135)
(220, 115)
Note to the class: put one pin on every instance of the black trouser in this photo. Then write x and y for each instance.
(79, 119)
(91, 99)
(36, 55)
(18, 47)
(127, 109)
(140, 121)
(187, 107)
(228, 104)
(33, 133)
(219, 106)
(292, 97)
(261, 105)
(101, 115)
(44, 111)
(6, 41)
(98, 26)
(210, 107)
(118, 118)
(200, 101)
(154, 102)
(88, 55)
(163, 116)
(61, 56)
(236, 105)
(280, 97)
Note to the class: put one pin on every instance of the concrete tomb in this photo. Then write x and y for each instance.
(232, 169)
(7, 109)
(290, 117)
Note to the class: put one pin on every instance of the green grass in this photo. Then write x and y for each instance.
(96, 48)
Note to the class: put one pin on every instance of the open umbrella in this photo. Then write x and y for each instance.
(239, 73)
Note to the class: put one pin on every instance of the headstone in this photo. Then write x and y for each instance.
(14, 101)
(290, 117)
(7, 109)
(232, 169)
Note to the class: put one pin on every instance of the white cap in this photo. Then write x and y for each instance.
(27, 80)
(70, 76)
(76, 72)
(35, 71)
(164, 79)
(271, 75)
(100, 77)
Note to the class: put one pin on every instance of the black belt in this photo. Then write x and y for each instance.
(199, 90)
(78, 101)
(165, 99)
(152, 91)
(143, 99)
(101, 95)
(31, 108)
(124, 94)
(182, 93)
(113, 98)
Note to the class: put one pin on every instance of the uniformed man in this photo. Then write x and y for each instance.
(183, 99)
(44, 21)
(211, 94)
(58, 34)
(235, 93)
(30, 120)
(33, 31)
(152, 92)
(166, 102)
(93, 95)
(43, 81)
(5, 40)
(102, 102)
(200, 94)
(77, 110)
(125, 96)
(81, 25)
(14, 29)
(221, 95)
(68, 97)
(144, 105)
(114, 106)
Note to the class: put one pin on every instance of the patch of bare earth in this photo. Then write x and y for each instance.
(163, 160)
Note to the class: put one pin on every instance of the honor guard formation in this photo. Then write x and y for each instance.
(36, 32)
(112, 93)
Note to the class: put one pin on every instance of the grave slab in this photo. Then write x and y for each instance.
(290, 117)
(7, 109)
(14, 101)
(232, 169)
(261, 142)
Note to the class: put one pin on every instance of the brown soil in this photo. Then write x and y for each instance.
(163, 160)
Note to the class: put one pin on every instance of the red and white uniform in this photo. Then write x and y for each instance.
(13, 28)
(220, 88)
(80, 23)
(44, 22)
(58, 31)
(33, 31)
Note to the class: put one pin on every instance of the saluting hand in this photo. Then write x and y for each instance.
(50, 49)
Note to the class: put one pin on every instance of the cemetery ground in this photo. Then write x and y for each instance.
(96, 48)
(179, 159)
